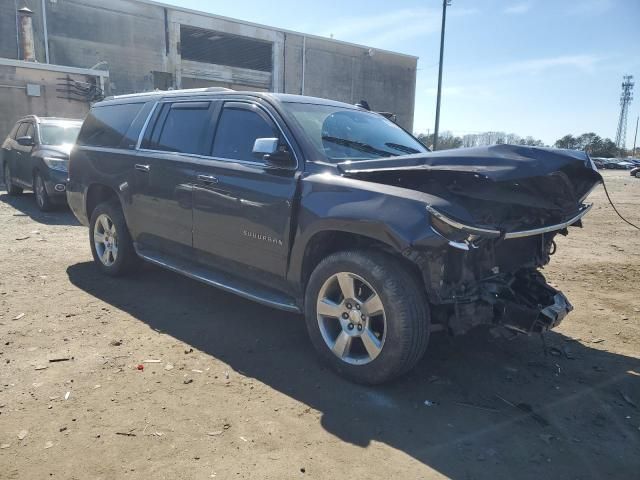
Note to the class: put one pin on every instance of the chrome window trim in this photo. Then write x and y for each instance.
(193, 157)
(509, 235)
(145, 125)
(211, 157)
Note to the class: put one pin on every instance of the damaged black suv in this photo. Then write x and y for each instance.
(330, 210)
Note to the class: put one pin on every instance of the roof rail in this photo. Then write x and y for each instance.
(161, 92)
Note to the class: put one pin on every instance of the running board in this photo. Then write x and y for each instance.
(220, 280)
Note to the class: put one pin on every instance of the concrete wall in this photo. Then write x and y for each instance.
(128, 35)
(137, 38)
(15, 103)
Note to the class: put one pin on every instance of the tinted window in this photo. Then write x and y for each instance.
(237, 132)
(106, 126)
(183, 127)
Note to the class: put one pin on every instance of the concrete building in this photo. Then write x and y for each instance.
(139, 45)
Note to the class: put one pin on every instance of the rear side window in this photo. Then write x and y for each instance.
(238, 129)
(183, 127)
(106, 126)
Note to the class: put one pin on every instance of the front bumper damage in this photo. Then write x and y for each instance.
(527, 304)
(496, 282)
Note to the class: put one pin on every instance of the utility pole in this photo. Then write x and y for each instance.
(635, 137)
(445, 4)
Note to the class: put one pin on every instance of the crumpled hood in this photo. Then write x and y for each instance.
(497, 162)
(500, 186)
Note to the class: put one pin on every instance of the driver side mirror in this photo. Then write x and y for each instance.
(26, 141)
(272, 152)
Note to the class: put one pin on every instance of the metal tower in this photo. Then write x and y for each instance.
(625, 100)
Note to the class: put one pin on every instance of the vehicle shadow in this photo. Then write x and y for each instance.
(26, 205)
(499, 408)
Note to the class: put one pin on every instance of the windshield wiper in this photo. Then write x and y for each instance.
(363, 147)
(402, 148)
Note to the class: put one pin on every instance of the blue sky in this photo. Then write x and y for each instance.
(532, 67)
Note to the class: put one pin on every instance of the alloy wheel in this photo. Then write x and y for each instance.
(105, 240)
(351, 318)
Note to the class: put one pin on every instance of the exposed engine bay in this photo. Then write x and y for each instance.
(499, 208)
(497, 282)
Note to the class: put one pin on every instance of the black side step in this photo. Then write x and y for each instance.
(221, 280)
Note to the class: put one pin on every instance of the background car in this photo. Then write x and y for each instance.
(35, 155)
(635, 172)
(619, 165)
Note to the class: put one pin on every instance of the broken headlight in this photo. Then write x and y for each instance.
(456, 231)
(447, 231)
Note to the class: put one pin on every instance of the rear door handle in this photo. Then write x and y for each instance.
(208, 179)
(142, 168)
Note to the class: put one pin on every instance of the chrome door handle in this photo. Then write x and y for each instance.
(142, 168)
(207, 179)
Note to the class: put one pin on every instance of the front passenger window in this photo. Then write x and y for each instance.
(22, 130)
(238, 129)
(30, 132)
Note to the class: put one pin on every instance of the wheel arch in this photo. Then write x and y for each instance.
(96, 194)
(326, 242)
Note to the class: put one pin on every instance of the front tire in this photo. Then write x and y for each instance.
(367, 315)
(11, 188)
(111, 244)
(40, 191)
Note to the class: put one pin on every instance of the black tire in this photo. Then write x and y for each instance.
(40, 192)
(405, 307)
(11, 188)
(126, 259)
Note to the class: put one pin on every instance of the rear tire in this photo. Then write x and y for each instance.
(40, 191)
(11, 188)
(110, 240)
(379, 329)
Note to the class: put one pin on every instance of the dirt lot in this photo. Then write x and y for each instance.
(237, 392)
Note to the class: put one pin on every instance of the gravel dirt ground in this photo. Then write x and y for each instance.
(230, 389)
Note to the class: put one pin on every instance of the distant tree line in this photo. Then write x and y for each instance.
(591, 143)
(448, 140)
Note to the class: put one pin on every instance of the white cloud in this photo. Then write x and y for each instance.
(518, 8)
(586, 63)
(393, 27)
